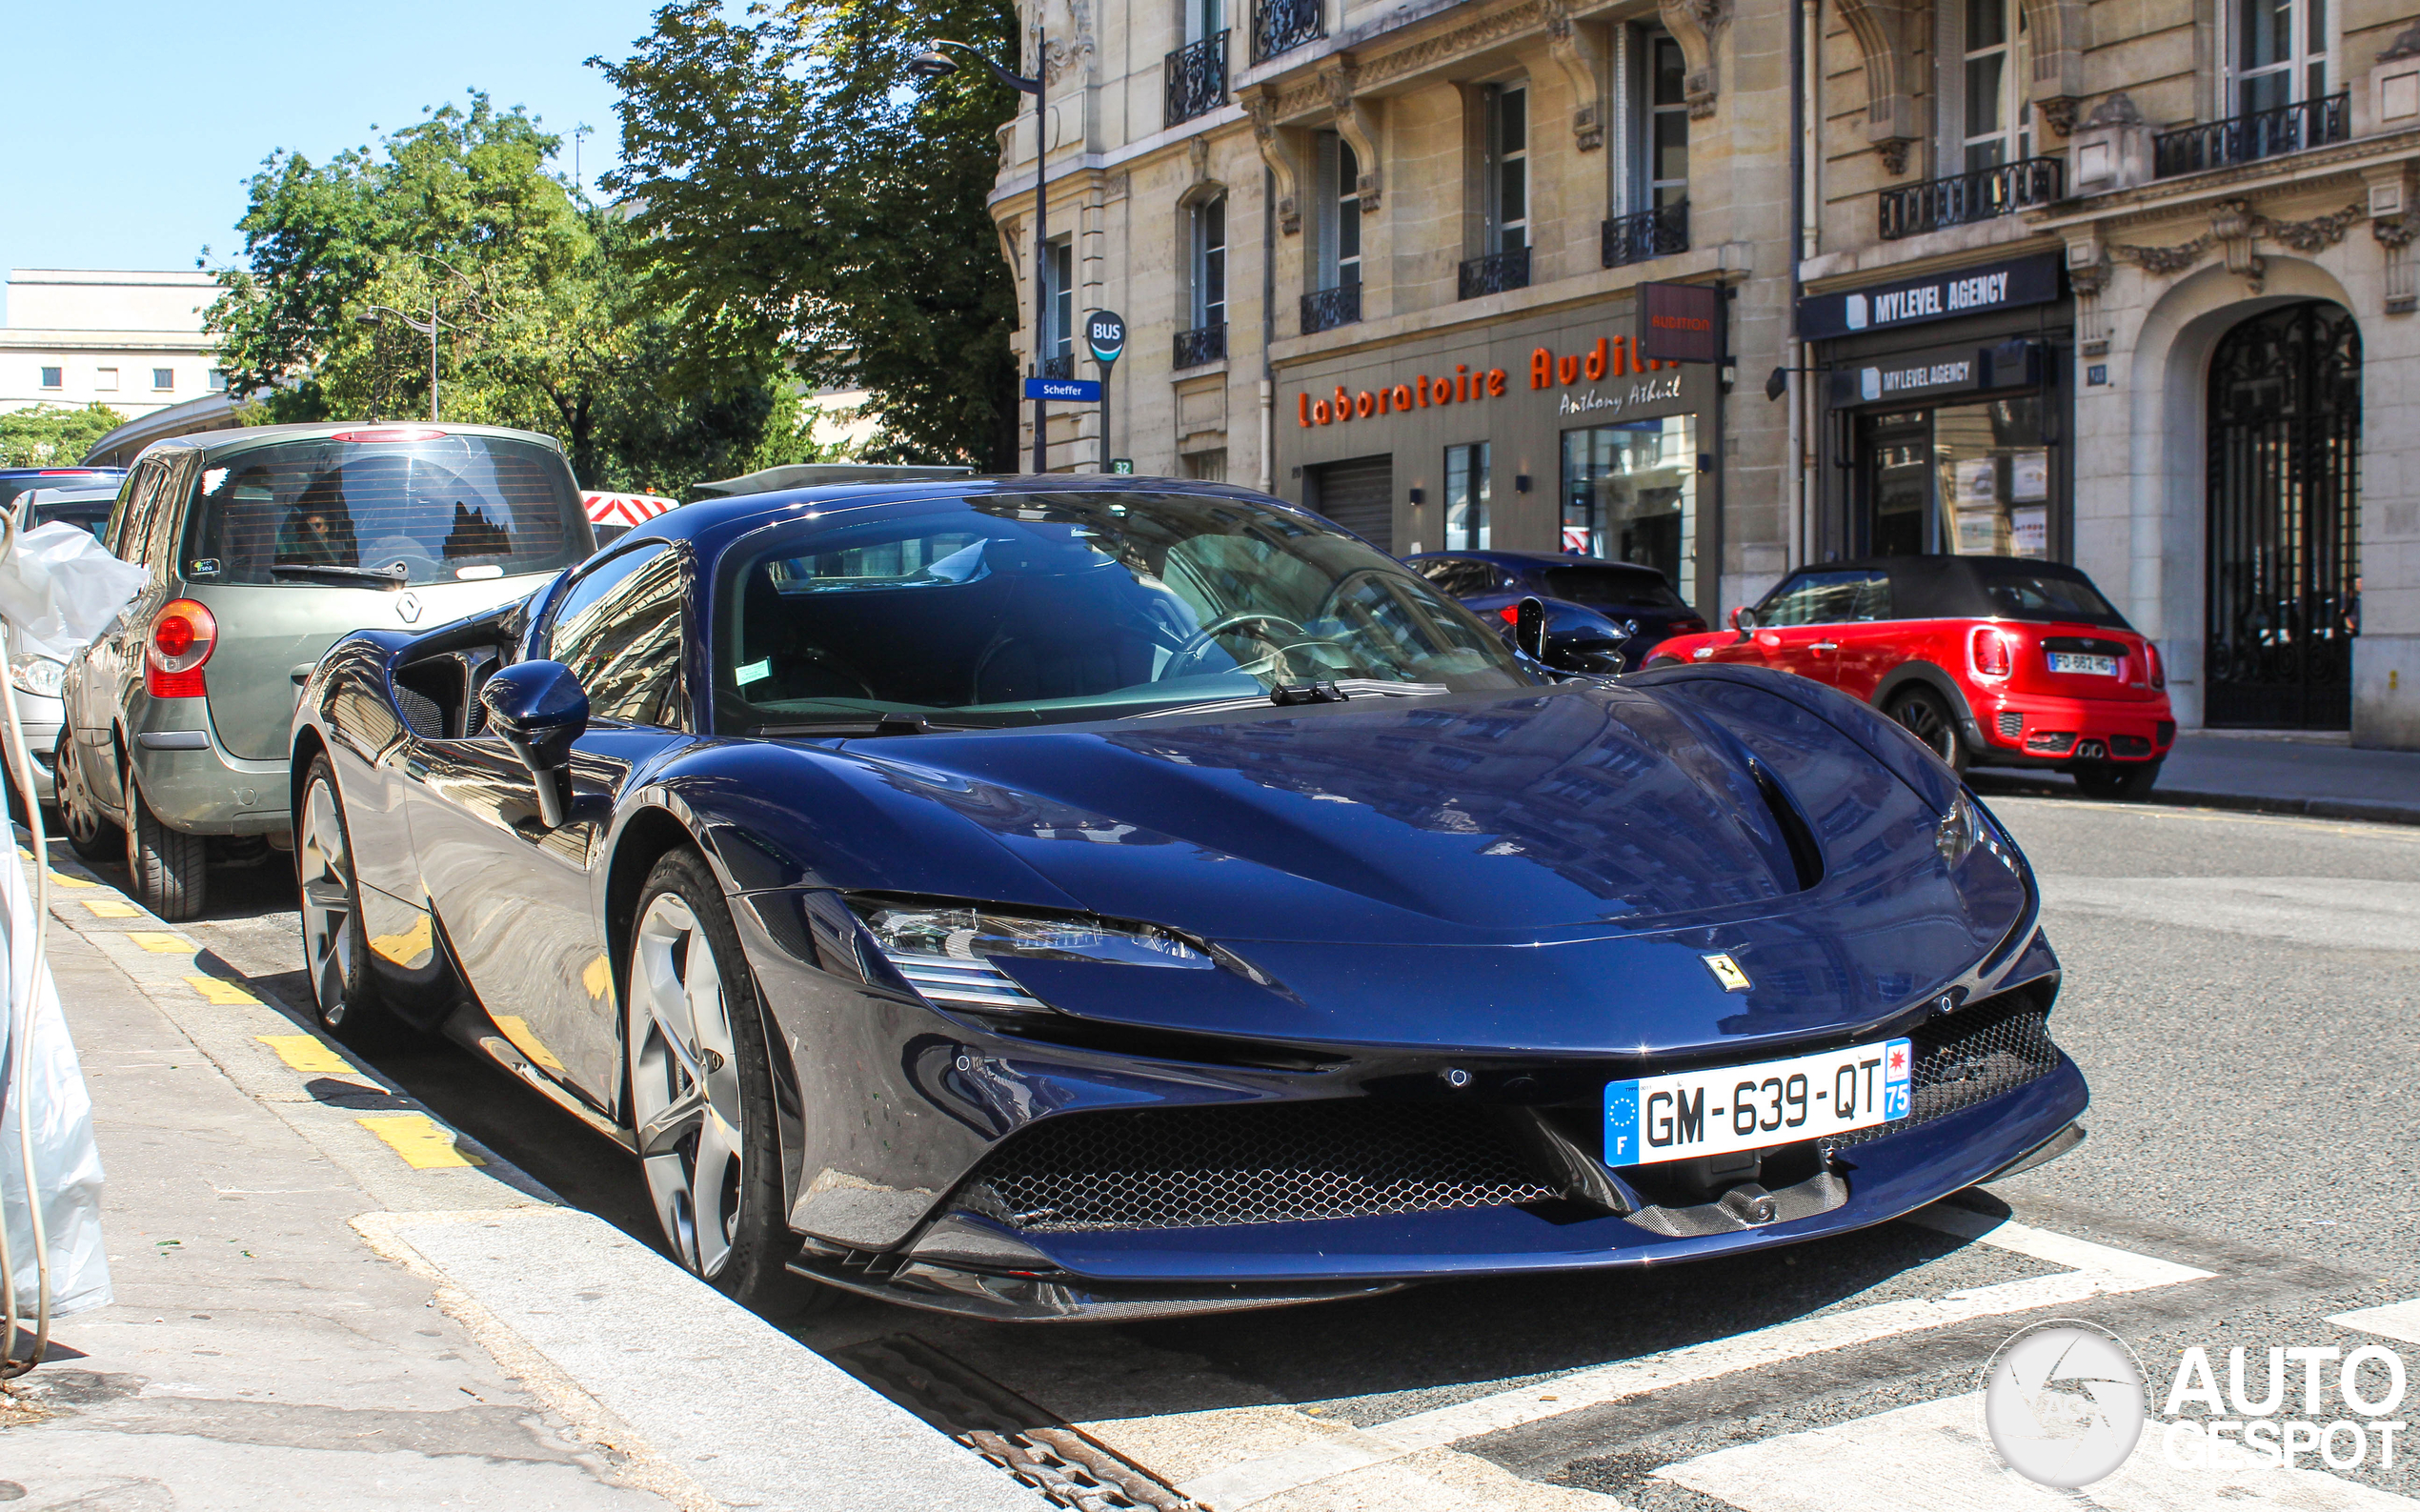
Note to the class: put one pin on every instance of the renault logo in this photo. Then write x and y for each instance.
(1727, 971)
(409, 607)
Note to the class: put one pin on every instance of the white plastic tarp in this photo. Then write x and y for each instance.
(58, 589)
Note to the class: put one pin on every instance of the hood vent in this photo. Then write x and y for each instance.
(1807, 853)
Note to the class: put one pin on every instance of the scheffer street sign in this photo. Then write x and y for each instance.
(1075, 390)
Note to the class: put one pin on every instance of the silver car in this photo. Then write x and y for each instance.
(34, 679)
(265, 545)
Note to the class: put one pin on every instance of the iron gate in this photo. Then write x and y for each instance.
(2284, 496)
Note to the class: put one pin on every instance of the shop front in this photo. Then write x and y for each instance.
(1550, 435)
(1946, 424)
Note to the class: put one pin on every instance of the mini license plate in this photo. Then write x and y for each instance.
(2084, 662)
(1732, 1108)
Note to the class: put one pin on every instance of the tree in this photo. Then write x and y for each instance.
(53, 435)
(548, 319)
(804, 197)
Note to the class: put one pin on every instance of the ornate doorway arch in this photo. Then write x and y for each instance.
(2284, 580)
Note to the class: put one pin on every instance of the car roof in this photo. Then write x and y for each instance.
(220, 443)
(1538, 559)
(112, 472)
(711, 523)
(1944, 567)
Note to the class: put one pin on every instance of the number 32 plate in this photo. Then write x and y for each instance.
(1734, 1108)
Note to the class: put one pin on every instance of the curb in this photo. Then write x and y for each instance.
(701, 1402)
(2356, 808)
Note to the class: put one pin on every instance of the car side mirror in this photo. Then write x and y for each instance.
(1743, 621)
(538, 709)
(1529, 628)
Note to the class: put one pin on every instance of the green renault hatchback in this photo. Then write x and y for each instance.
(265, 545)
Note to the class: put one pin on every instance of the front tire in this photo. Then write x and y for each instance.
(93, 836)
(701, 1091)
(335, 946)
(2134, 779)
(1927, 717)
(170, 869)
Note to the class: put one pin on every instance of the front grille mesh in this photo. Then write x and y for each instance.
(1965, 1058)
(421, 712)
(1264, 1163)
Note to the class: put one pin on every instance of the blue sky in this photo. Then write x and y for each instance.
(131, 128)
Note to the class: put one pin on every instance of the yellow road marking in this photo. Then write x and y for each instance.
(159, 944)
(308, 1054)
(215, 990)
(111, 908)
(63, 879)
(424, 1143)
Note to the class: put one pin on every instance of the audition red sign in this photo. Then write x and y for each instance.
(1681, 322)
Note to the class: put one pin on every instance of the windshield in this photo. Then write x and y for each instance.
(446, 508)
(2020, 594)
(1049, 606)
(1610, 588)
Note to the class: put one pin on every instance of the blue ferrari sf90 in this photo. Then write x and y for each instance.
(1059, 897)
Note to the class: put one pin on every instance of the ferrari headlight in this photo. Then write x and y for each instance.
(39, 675)
(946, 950)
(1959, 830)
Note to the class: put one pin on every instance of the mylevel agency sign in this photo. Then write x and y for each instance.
(1961, 291)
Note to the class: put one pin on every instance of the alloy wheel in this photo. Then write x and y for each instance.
(1925, 723)
(685, 1089)
(76, 813)
(326, 864)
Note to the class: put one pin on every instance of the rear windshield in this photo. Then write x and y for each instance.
(90, 510)
(2046, 596)
(320, 512)
(12, 487)
(1611, 589)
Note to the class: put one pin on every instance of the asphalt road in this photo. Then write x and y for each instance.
(2239, 991)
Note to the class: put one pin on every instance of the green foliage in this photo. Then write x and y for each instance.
(53, 435)
(548, 319)
(808, 199)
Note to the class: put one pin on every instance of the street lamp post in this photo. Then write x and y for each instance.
(935, 64)
(379, 315)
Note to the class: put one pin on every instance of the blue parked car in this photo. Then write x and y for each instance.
(1602, 616)
(1060, 896)
(17, 480)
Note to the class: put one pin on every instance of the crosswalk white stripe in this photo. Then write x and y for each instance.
(2394, 1320)
(2059, 1249)
(2113, 1272)
(1936, 1457)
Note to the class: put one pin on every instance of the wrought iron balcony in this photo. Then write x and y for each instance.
(1331, 307)
(1658, 232)
(1201, 345)
(2252, 135)
(1495, 273)
(1197, 76)
(1060, 367)
(1280, 26)
(1964, 198)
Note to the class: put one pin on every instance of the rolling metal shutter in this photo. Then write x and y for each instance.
(1359, 496)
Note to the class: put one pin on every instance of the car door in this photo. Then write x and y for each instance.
(112, 682)
(519, 902)
(1870, 642)
(1789, 623)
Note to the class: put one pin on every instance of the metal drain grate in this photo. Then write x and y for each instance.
(1255, 1164)
(1036, 1446)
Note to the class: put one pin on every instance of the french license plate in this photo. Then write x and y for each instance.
(2084, 662)
(1732, 1108)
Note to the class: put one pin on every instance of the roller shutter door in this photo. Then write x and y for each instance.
(1359, 496)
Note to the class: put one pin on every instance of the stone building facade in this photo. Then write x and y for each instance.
(2127, 284)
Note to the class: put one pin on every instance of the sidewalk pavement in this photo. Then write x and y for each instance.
(326, 1299)
(2270, 774)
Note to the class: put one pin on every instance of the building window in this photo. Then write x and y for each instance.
(1058, 311)
(105, 381)
(218, 380)
(163, 378)
(1466, 497)
(54, 377)
(1664, 133)
(1210, 264)
(1993, 127)
(1340, 248)
(1207, 467)
(2279, 54)
(1629, 494)
(1506, 210)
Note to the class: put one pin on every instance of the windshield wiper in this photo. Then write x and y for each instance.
(887, 724)
(391, 576)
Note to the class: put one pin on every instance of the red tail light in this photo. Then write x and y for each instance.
(183, 635)
(387, 434)
(1988, 651)
(2151, 663)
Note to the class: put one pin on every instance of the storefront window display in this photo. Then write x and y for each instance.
(1630, 494)
(1963, 480)
(1467, 490)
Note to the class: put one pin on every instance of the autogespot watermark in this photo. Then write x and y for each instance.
(2063, 1403)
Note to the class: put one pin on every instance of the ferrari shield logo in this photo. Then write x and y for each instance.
(1727, 971)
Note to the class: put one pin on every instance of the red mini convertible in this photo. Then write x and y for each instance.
(1990, 660)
